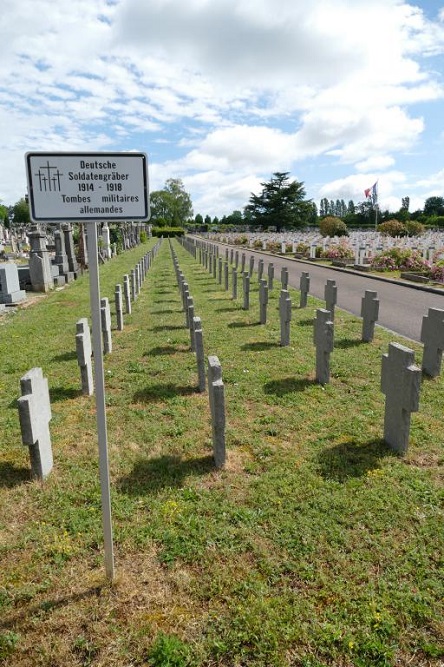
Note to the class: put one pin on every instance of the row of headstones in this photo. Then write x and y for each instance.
(34, 404)
(216, 391)
(399, 379)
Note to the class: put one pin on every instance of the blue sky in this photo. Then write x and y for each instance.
(222, 93)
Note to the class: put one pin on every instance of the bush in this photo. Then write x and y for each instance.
(257, 245)
(303, 249)
(331, 226)
(392, 228)
(414, 228)
(400, 259)
(168, 231)
(273, 246)
(338, 251)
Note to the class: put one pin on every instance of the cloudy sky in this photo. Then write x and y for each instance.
(222, 93)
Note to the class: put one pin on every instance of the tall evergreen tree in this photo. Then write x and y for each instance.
(281, 203)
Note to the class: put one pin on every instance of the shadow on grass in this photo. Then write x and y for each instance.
(166, 311)
(168, 327)
(149, 476)
(163, 301)
(66, 356)
(352, 459)
(227, 310)
(63, 394)
(309, 322)
(21, 619)
(259, 346)
(11, 476)
(239, 325)
(346, 343)
(288, 385)
(162, 392)
(163, 350)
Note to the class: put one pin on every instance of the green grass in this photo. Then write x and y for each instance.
(315, 546)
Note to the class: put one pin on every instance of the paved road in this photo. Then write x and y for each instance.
(401, 307)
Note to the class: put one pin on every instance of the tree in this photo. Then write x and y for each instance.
(280, 204)
(182, 207)
(332, 226)
(21, 213)
(171, 206)
(198, 220)
(434, 206)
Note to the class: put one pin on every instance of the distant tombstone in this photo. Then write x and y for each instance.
(200, 355)
(226, 276)
(127, 294)
(10, 291)
(73, 265)
(133, 285)
(432, 335)
(119, 306)
(189, 311)
(105, 315)
(217, 408)
(246, 290)
(401, 384)
(190, 323)
(260, 270)
(236, 260)
(270, 275)
(369, 314)
(84, 356)
(284, 277)
(331, 297)
(323, 339)
(39, 263)
(263, 301)
(219, 271)
(285, 317)
(61, 258)
(234, 282)
(35, 414)
(304, 287)
(251, 265)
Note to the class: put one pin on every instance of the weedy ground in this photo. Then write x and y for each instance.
(315, 546)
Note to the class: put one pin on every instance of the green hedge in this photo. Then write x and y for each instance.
(168, 231)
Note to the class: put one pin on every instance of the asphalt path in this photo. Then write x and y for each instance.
(402, 306)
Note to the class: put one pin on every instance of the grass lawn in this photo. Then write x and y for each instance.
(315, 546)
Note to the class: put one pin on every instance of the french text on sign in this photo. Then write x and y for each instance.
(87, 186)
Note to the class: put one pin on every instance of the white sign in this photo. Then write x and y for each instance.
(87, 186)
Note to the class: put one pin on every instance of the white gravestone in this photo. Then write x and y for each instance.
(35, 414)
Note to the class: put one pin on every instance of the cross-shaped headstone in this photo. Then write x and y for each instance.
(263, 300)
(284, 277)
(246, 290)
(432, 335)
(331, 296)
(200, 355)
(84, 354)
(304, 286)
(401, 384)
(119, 306)
(105, 314)
(234, 282)
(270, 275)
(260, 269)
(323, 338)
(35, 414)
(285, 316)
(217, 407)
(369, 314)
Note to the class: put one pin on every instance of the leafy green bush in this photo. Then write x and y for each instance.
(414, 228)
(400, 259)
(168, 651)
(392, 228)
(332, 226)
(273, 246)
(168, 231)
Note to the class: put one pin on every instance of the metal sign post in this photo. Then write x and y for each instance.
(99, 381)
(91, 188)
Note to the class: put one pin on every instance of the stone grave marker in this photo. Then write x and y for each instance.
(260, 269)
(246, 290)
(331, 297)
(84, 356)
(369, 314)
(304, 287)
(401, 384)
(285, 317)
(226, 276)
(270, 275)
(217, 408)
(263, 301)
(105, 316)
(284, 277)
(34, 409)
(200, 355)
(126, 292)
(119, 306)
(432, 335)
(234, 282)
(323, 339)
(251, 265)
(10, 291)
